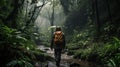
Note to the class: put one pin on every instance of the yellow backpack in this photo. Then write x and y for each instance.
(58, 37)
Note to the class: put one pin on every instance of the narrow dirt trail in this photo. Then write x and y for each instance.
(64, 57)
(66, 60)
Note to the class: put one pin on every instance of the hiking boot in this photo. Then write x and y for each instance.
(58, 64)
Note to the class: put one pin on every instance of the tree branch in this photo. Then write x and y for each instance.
(35, 14)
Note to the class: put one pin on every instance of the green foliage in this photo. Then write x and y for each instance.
(78, 17)
(81, 40)
(99, 52)
(82, 54)
(71, 52)
(21, 50)
(111, 63)
(81, 28)
(114, 60)
(13, 37)
(17, 47)
(15, 43)
(19, 63)
(5, 8)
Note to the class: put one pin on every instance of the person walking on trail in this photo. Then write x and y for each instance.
(58, 43)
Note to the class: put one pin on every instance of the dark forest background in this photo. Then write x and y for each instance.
(91, 27)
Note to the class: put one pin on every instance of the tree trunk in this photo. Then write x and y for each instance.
(52, 18)
(11, 20)
(97, 20)
(65, 4)
(109, 11)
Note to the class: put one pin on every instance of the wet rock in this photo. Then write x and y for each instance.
(46, 49)
(74, 65)
(51, 64)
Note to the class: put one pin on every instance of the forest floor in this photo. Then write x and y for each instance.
(66, 60)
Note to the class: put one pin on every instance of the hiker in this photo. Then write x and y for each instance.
(58, 43)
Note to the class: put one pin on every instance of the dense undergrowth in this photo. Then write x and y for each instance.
(18, 35)
(106, 54)
(16, 50)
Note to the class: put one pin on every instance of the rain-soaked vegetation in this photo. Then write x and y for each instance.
(91, 27)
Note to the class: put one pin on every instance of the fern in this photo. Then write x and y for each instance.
(112, 63)
(20, 63)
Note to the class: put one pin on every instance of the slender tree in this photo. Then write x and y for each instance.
(34, 13)
(109, 11)
(52, 16)
(97, 19)
(110, 16)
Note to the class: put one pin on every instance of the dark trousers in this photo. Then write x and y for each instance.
(57, 55)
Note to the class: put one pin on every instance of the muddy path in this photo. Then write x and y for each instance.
(66, 60)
